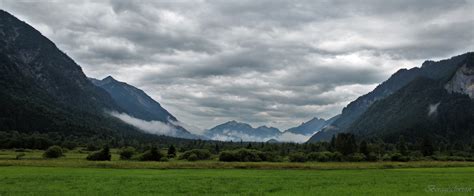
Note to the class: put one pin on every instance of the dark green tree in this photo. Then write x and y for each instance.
(346, 143)
(171, 151)
(127, 153)
(364, 148)
(102, 155)
(427, 147)
(332, 144)
(216, 148)
(249, 146)
(53, 152)
(402, 146)
(151, 155)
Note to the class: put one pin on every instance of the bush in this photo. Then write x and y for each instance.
(269, 156)
(399, 157)
(192, 157)
(356, 157)
(20, 155)
(53, 152)
(320, 156)
(372, 157)
(297, 157)
(247, 155)
(102, 155)
(151, 155)
(201, 154)
(164, 159)
(337, 156)
(386, 157)
(127, 153)
(228, 156)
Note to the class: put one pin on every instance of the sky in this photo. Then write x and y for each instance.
(266, 62)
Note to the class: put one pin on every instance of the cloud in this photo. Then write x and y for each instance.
(433, 108)
(153, 127)
(231, 135)
(269, 62)
(292, 137)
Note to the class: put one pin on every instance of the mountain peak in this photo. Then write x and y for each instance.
(109, 79)
(236, 123)
(427, 63)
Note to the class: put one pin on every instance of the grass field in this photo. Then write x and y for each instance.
(97, 181)
(73, 175)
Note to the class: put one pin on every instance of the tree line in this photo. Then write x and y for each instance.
(343, 147)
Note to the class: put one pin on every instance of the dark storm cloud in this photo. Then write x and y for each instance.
(275, 62)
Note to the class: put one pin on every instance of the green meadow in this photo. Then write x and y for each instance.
(17, 180)
(73, 175)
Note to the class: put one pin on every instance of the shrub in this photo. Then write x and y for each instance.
(399, 157)
(151, 155)
(386, 157)
(297, 157)
(53, 152)
(337, 156)
(127, 153)
(372, 157)
(248, 155)
(228, 156)
(201, 154)
(192, 157)
(320, 156)
(269, 156)
(20, 155)
(164, 159)
(102, 155)
(356, 157)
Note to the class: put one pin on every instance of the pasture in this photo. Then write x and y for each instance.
(73, 175)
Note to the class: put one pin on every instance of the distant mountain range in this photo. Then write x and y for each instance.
(237, 131)
(312, 126)
(432, 101)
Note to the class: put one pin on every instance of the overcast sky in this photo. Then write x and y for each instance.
(269, 62)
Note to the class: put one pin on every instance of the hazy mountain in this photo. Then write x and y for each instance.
(237, 131)
(138, 104)
(312, 126)
(403, 109)
(44, 90)
(430, 69)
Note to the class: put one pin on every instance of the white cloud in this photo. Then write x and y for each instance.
(153, 127)
(292, 137)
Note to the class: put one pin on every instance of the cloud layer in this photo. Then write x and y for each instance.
(268, 62)
(153, 127)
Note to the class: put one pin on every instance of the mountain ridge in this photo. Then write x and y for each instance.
(442, 69)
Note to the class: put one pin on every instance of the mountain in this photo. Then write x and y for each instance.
(312, 126)
(237, 131)
(138, 104)
(441, 109)
(43, 90)
(133, 100)
(429, 69)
